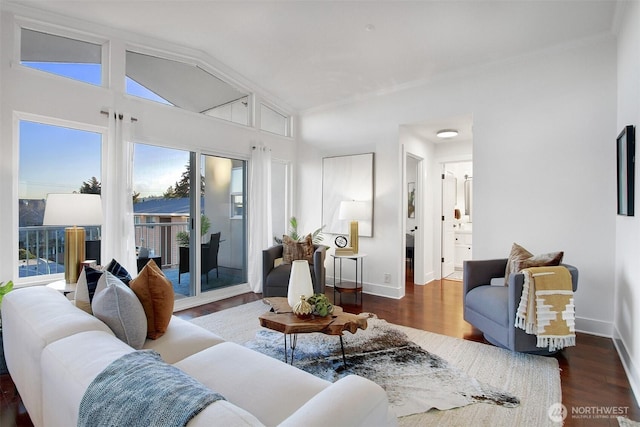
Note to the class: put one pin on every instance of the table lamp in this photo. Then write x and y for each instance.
(79, 210)
(353, 211)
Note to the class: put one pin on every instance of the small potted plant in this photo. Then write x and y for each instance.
(182, 237)
(316, 236)
(320, 304)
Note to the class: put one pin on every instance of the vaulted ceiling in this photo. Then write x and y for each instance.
(315, 53)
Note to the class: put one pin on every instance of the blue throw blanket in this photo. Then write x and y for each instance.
(139, 389)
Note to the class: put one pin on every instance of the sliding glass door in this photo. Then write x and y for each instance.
(166, 201)
(224, 248)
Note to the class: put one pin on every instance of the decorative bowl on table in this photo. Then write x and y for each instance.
(302, 308)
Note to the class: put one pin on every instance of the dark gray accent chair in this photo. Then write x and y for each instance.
(492, 309)
(275, 280)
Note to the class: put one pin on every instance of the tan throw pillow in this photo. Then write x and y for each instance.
(155, 292)
(518, 253)
(520, 258)
(544, 260)
(293, 251)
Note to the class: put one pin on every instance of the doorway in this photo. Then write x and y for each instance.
(457, 217)
(413, 213)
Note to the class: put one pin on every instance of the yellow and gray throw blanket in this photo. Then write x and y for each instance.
(546, 307)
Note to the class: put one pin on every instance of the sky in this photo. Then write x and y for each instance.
(55, 159)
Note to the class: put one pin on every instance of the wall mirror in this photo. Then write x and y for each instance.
(346, 178)
(626, 170)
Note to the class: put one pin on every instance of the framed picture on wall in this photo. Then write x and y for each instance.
(411, 200)
(626, 150)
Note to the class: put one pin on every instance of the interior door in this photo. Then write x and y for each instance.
(448, 218)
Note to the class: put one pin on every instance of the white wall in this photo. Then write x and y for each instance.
(544, 168)
(627, 268)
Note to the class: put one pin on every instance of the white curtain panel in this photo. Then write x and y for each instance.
(260, 228)
(118, 238)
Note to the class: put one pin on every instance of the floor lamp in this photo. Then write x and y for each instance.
(353, 211)
(79, 210)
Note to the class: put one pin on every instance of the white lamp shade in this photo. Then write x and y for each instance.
(73, 209)
(354, 210)
(299, 282)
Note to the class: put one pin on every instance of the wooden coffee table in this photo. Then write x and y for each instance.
(281, 319)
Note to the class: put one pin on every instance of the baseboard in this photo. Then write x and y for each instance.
(211, 296)
(427, 278)
(594, 327)
(373, 289)
(633, 375)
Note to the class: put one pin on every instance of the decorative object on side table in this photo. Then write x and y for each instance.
(353, 211)
(4, 289)
(341, 246)
(341, 241)
(299, 282)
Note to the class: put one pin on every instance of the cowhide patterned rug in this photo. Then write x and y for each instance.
(415, 379)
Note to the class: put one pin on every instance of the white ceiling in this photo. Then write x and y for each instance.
(315, 53)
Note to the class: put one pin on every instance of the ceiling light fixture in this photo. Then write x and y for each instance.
(370, 27)
(447, 133)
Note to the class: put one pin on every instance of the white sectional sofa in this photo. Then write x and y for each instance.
(55, 350)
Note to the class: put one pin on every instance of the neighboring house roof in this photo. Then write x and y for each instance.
(164, 207)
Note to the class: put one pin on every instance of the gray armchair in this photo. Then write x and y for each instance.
(275, 280)
(492, 309)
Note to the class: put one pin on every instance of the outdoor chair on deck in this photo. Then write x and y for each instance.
(208, 260)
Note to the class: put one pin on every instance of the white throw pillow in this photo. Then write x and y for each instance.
(119, 307)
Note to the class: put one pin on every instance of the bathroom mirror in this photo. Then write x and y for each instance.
(468, 195)
(346, 178)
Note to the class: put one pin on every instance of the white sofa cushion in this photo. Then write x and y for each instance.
(70, 364)
(68, 367)
(267, 388)
(33, 318)
(118, 307)
(181, 340)
(223, 413)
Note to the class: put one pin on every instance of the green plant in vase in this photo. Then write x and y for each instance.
(321, 305)
(182, 237)
(4, 289)
(316, 236)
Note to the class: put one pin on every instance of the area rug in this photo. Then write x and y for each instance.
(467, 371)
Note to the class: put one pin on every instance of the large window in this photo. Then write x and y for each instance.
(75, 59)
(186, 86)
(53, 159)
(273, 121)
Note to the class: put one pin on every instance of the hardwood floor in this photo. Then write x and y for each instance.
(593, 379)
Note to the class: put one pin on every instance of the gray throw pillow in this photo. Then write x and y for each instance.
(120, 309)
